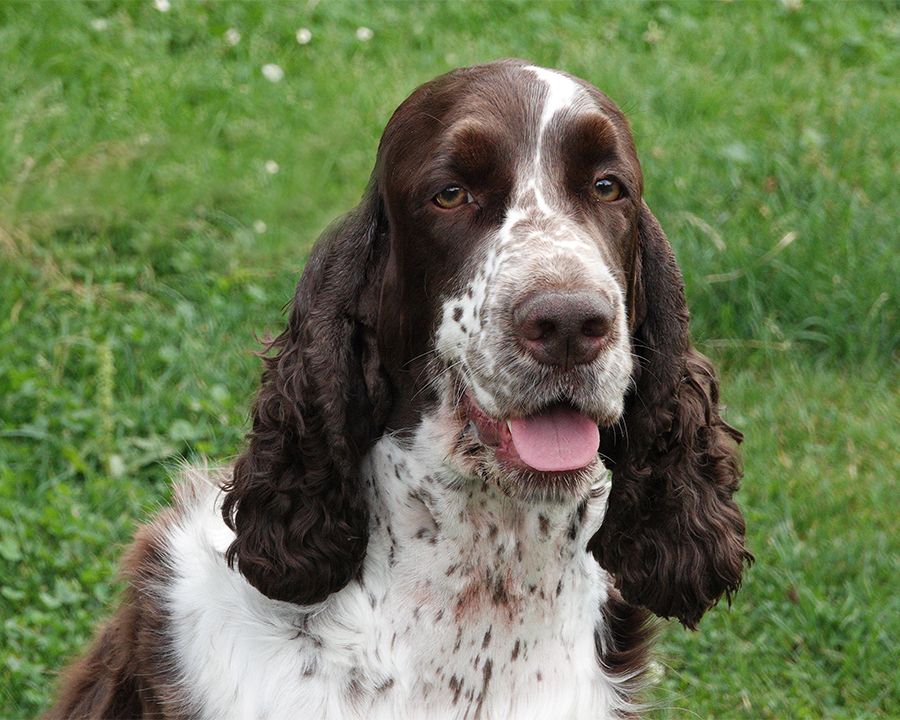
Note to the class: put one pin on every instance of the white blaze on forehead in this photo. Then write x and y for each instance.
(562, 92)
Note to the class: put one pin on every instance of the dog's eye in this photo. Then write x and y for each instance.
(608, 189)
(452, 197)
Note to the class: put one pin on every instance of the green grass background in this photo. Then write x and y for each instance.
(143, 244)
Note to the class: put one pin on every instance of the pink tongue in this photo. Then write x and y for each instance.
(556, 440)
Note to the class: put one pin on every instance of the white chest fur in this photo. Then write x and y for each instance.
(469, 606)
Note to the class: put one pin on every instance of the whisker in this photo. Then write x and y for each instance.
(432, 351)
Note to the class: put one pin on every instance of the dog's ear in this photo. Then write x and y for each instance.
(295, 501)
(672, 535)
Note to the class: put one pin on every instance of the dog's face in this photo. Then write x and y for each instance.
(503, 285)
(512, 195)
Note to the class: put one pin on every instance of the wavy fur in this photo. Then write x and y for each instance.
(294, 500)
(672, 536)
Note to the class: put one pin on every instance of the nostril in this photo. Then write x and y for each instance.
(596, 327)
(536, 327)
(545, 328)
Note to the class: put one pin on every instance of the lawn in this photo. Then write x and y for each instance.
(159, 194)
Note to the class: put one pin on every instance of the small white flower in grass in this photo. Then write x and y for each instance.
(304, 35)
(116, 466)
(99, 24)
(272, 72)
(364, 34)
(259, 227)
(162, 5)
(653, 34)
(272, 167)
(232, 36)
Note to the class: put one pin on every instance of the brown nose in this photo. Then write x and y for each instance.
(563, 328)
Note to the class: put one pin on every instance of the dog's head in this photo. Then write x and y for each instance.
(503, 274)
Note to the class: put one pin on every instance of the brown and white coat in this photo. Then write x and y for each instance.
(396, 540)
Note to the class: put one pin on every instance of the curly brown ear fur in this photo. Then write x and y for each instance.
(295, 501)
(672, 535)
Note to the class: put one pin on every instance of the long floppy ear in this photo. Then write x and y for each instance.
(672, 535)
(295, 500)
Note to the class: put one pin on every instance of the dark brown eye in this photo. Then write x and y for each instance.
(608, 189)
(452, 197)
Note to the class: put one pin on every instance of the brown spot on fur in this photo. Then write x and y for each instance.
(385, 686)
(486, 679)
(500, 594)
(354, 689)
(456, 685)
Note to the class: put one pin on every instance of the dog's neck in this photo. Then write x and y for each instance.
(481, 590)
(467, 527)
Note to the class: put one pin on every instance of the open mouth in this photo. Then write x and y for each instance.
(557, 439)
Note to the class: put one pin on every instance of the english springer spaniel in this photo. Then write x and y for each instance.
(483, 453)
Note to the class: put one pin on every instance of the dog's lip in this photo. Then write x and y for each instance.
(488, 428)
(474, 411)
(559, 458)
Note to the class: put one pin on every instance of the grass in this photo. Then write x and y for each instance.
(143, 243)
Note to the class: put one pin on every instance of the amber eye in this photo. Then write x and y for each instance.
(452, 197)
(608, 189)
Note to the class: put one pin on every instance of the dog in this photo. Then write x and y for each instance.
(484, 452)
